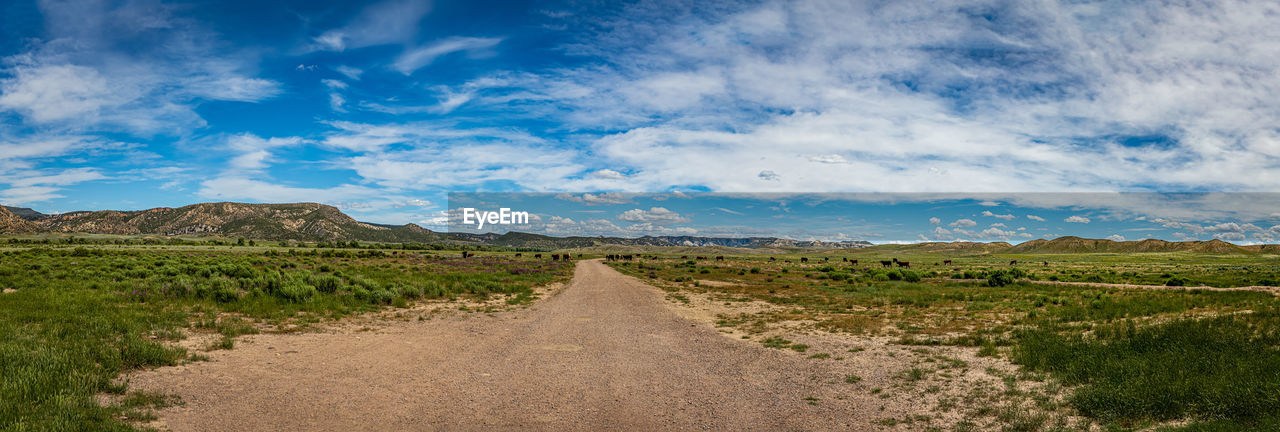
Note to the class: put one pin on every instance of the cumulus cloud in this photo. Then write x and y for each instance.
(1115, 237)
(935, 221)
(608, 174)
(655, 215)
(964, 223)
(1035, 218)
(1077, 219)
(988, 213)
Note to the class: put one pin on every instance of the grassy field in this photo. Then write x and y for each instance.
(1131, 358)
(72, 318)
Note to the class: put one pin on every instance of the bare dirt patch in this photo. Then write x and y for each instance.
(605, 353)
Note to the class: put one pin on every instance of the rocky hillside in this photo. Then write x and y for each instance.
(303, 221)
(13, 224)
(25, 213)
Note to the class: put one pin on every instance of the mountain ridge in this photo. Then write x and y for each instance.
(320, 222)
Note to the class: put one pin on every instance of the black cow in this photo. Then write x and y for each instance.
(804, 260)
(853, 261)
(538, 256)
(886, 263)
(465, 254)
(946, 262)
(1014, 262)
(720, 258)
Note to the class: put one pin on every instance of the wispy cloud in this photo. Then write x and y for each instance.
(418, 58)
(387, 22)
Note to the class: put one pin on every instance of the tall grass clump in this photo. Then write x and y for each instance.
(1224, 369)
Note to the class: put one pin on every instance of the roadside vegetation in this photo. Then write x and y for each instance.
(73, 318)
(1169, 357)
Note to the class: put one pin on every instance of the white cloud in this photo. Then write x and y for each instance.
(601, 198)
(964, 223)
(417, 58)
(655, 215)
(1115, 237)
(131, 66)
(998, 233)
(608, 174)
(768, 175)
(349, 72)
(942, 234)
(1035, 218)
(387, 22)
(988, 213)
(1077, 219)
(935, 221)
(829, 159)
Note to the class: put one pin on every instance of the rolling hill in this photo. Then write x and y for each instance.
(302, 221)
(11, 223)
(1071, 244)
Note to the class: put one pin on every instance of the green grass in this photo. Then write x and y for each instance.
(81, 316)
(1210, 369)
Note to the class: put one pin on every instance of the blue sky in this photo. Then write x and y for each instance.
(382, 108)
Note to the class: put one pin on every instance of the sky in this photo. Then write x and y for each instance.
(384, 108)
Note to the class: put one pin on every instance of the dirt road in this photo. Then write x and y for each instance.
(604, 354)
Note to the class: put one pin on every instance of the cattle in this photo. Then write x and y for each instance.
(537, 256)
(787, 261)
(465, 254)
(518, 255)
(1046, 263)
(1014, 262)
(699, 258)
(555, 257)
(853, 261)
(804, 260)
(904, 264)
(720, 258)
(886, 263)
(579, 256)
(684, 257)
(772, 259)
(946, 262)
